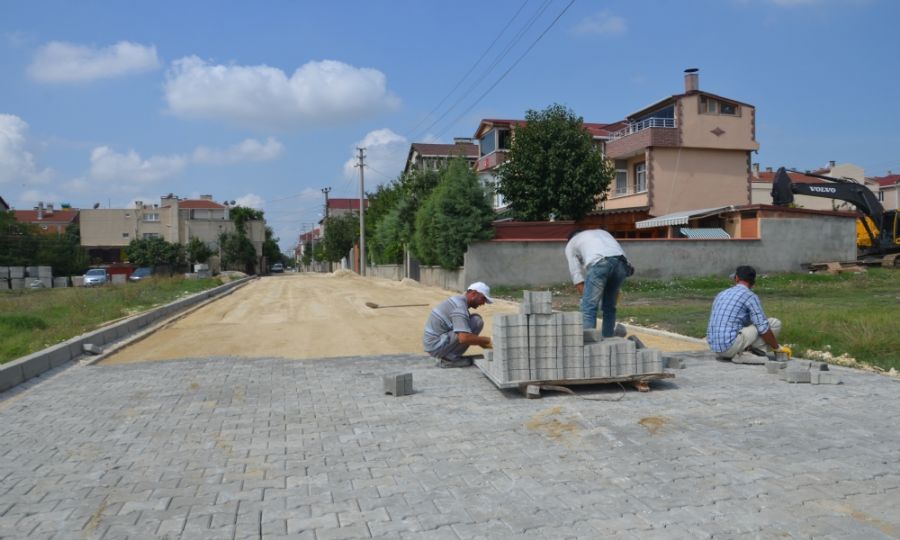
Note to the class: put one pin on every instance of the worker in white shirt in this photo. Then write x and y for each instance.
(598, 267)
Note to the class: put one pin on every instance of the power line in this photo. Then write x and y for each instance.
(505, 73)
(514, 41)
(471, 69)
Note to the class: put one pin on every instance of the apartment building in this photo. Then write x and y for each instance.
(106, 231)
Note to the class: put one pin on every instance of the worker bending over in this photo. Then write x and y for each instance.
(598, 267)
(451, 329)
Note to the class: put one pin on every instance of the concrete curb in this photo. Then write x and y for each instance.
(32, 365)
(663, 333)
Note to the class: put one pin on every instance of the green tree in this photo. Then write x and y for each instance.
(155, 252)
(18, 241)
(409, 193)
(271, 250)
(457, 213)
(63, 252)
(240, 215)
(554, 168)
(307, 254)
(238, 252)
(198, 251)
(341, 233)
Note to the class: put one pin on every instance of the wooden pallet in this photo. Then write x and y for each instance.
(532, 389)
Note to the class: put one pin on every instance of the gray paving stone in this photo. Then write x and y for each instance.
(270, 441)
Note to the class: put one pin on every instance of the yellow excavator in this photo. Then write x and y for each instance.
(877, 229)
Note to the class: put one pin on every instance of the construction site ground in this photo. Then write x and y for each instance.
(240, 435)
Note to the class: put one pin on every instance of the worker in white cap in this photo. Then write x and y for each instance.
(450, 329)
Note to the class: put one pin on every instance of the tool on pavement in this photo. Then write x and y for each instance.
(373, 305)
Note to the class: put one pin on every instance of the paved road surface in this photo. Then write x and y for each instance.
(229, 448)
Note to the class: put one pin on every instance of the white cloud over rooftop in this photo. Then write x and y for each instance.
(17, 163)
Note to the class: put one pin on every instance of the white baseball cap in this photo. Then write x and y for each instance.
(480, 286)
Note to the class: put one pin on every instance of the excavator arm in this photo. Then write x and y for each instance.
(783, 190)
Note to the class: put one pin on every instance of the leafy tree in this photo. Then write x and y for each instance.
(155, 252)
(387, 242)
(18, 244)
(63, 252)
(240, 215)
(409, 193)
(271, 249)
(457, 213)
(554, 168)
(198, 251)
(341, 233)
(238, 252)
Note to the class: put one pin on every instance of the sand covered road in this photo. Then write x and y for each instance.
(306, 316)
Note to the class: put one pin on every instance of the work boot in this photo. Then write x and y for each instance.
(756, 352)
(455, 363)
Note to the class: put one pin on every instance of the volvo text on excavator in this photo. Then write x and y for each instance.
(878, 229)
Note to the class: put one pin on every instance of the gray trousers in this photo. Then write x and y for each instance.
(450, 347)
(749, 337)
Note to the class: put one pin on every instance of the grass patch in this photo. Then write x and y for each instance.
(33, 319)
(854, 316)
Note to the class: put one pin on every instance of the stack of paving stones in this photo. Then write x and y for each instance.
(16, 277)
(538, 344)
(803, 371)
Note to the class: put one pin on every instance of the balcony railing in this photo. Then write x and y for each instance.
(635, 127)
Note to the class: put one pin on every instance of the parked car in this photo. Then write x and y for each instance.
(96, 276)
(140, 273)
(277, 268)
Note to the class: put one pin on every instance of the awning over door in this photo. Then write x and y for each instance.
(679, 218)
(714, 233)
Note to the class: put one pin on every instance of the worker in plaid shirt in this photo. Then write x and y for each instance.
(737, 322)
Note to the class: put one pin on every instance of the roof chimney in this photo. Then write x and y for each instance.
(756, 170)
(462, 140)
(768, 169)
(49, 209)
(831, 164)
(206, 197)
(40, 210)
(691, 80)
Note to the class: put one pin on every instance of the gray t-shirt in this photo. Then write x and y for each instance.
(451, 315)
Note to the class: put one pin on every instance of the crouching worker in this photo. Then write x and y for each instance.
(451, 329)
(737, 322)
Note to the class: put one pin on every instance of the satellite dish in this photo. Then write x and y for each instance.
(96, 205)
(232, 203)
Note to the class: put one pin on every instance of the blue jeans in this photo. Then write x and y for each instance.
(601, 288)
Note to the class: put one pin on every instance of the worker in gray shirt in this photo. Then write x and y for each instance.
(598, 267)
(451, 329)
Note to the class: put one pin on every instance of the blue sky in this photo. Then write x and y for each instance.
(265, 102)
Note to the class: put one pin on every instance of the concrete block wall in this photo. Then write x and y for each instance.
(554, 346)
(32, 365)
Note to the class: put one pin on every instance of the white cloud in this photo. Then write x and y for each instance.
(265, 97)
(385, 154)
(17, 164)
(59, 62)
(123, 169)
(251, 200)
(30, 197)
(247, 150)
(601, 24)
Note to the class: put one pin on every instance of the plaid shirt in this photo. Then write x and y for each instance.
(732, 310)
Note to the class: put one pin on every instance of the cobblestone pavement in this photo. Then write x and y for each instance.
(227, 448)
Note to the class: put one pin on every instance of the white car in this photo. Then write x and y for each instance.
(96, 276)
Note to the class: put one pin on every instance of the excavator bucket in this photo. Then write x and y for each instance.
(781, 188)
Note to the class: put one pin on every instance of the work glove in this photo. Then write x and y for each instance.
(786, 350)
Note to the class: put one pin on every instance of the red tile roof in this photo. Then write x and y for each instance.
(195, 204)
(57, 216)
(426, 149)
(888, 180)
(769, 177)
(345, 204)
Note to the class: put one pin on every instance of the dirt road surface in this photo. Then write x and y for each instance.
(311, 316)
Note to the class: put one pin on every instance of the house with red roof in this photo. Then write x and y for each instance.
(427, 156)
(49, 220)
(888, 190)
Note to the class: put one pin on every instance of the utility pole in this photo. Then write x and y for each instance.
(362, 213)
(326, 190)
